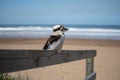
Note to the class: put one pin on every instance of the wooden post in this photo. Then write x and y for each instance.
(89, 66)
(90, 74)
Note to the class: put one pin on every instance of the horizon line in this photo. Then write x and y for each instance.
(68, 24)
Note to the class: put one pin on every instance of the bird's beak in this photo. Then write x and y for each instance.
(65, 29)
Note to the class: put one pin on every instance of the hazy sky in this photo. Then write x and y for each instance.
(60, 12)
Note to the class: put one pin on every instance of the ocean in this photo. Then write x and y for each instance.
(109, 32)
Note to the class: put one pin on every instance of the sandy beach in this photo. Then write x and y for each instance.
(107, 61)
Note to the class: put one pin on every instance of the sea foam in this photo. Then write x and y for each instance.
(45, 31)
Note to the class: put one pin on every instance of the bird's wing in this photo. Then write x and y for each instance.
(51, 39)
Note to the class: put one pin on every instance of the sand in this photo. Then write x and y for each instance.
(107, 61)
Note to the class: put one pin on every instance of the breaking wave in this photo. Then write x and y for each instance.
(44, 31)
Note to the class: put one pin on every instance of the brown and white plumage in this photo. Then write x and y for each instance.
(56, 39)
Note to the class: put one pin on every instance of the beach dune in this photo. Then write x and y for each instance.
(107, 61)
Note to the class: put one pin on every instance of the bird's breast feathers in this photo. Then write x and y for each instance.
(57, 45)
(54, 42)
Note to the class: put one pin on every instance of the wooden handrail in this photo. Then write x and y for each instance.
(15, 60)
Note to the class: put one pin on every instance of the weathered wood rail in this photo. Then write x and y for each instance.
(15, 60)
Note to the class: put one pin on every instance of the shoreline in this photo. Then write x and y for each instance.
(68, 41)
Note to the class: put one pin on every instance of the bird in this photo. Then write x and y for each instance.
(56, 39)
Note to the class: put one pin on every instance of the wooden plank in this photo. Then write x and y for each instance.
(92, 76)
(15, 60)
